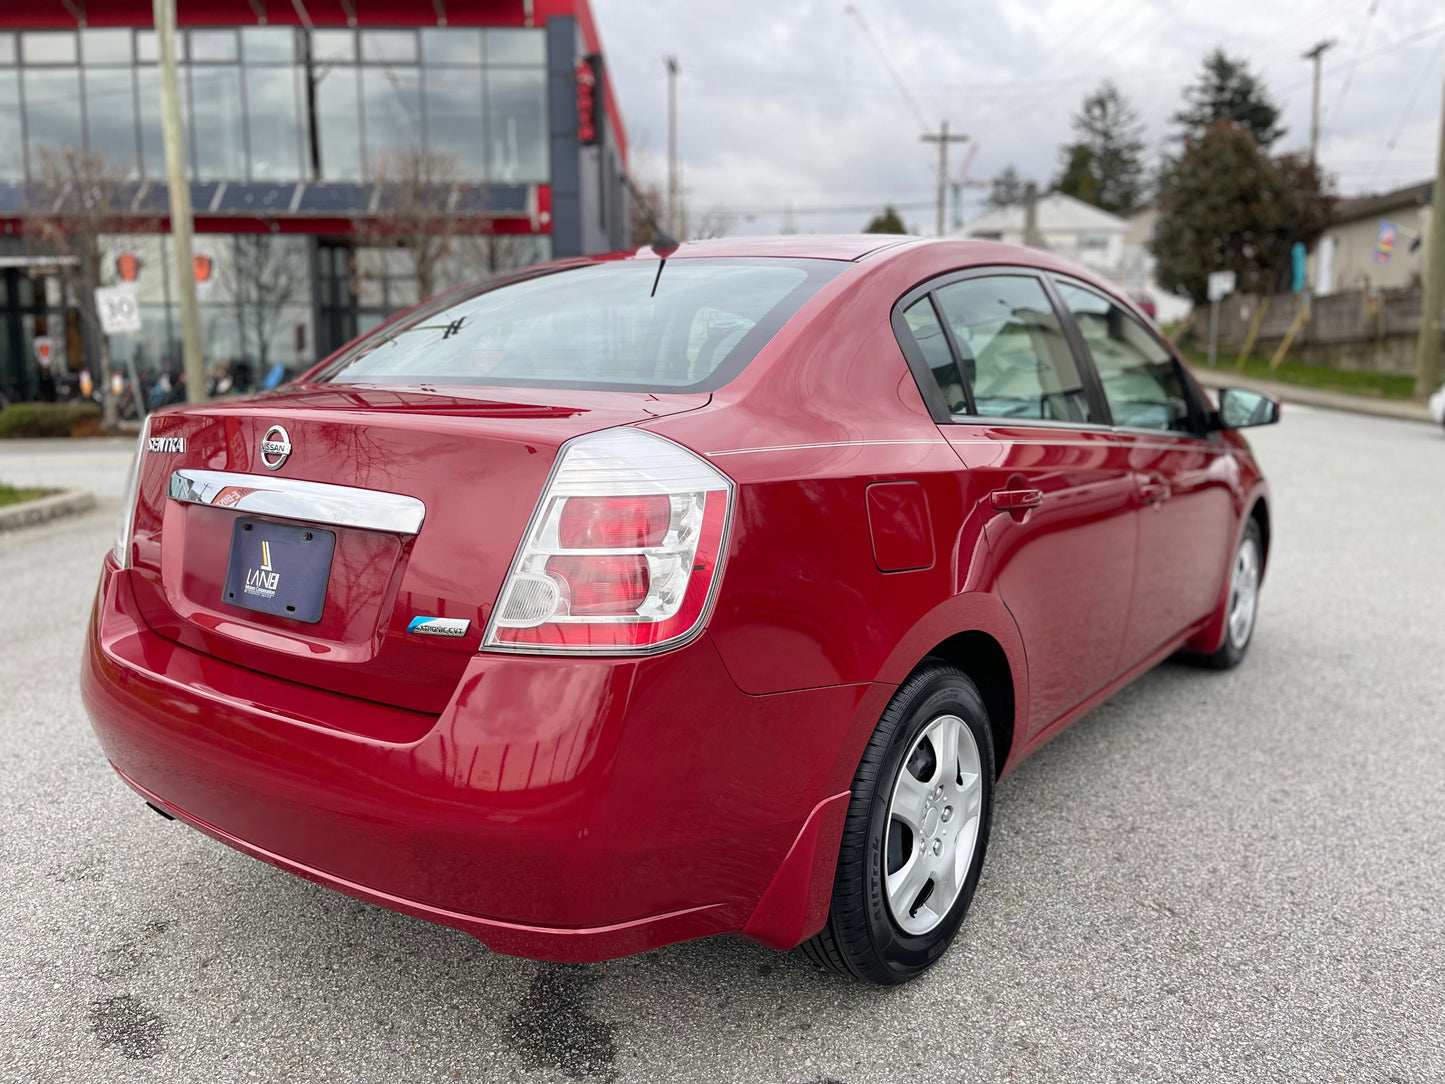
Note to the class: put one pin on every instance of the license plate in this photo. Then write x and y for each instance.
(279, 569)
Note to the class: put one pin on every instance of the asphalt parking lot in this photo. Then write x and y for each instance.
(1223, 877)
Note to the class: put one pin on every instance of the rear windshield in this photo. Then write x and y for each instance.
(597, 325)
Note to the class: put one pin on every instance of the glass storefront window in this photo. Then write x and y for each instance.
(454, 118)
(268, 44)
(110, 115)
(337, 125)
(391, 101)
(105, 46)
(333, 46)
(52, 116)
(48, 47)
(388, 46)
(213, 45)
(516, 47)
(12, 150)
(153, 149)
(451, 46)
(516, 125)
(219, 139)
(273, 105)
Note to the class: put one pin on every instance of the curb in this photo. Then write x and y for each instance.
(67, 502)
(1409, 410)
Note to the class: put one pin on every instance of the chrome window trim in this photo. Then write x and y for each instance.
(309, 502)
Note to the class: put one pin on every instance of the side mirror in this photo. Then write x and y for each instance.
(1239, 409)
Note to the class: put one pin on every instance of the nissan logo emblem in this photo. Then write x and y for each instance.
(275, 448)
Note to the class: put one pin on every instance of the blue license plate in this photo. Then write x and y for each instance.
(279, 569)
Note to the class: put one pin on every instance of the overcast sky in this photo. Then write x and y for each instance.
(786, 100)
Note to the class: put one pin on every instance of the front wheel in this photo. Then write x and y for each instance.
(915, 832)
(1242, 605)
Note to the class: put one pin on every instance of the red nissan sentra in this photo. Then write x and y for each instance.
(631, 600)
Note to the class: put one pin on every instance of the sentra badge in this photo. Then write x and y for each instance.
(166, 444)
(275, 448)
(263, 582)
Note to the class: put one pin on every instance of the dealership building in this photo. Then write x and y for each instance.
(301, 119)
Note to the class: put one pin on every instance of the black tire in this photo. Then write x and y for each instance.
(1231, 653)
(861, 938)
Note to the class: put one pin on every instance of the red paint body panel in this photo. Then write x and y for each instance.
(576, 808)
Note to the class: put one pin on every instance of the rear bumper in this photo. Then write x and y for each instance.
(563, 809)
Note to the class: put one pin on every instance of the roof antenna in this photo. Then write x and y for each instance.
(664, 245)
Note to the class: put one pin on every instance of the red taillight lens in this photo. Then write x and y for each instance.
(613, 523)
(610, 585)
(623, 553)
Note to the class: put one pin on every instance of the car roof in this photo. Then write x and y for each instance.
(789, 246)
(852, 247)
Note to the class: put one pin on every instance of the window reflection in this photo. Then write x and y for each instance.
(454, 117)
(43, 47)
(219, 139)
(337, 125)
(51, 116)
(268, 44)
(110, 115)
(105, 46)
(273, 101)
(391, 101)
(12, 150)
(517, 125)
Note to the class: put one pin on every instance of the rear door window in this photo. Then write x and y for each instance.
(923, 322)
(1011, 349)
(612, 325)
(1140, 377)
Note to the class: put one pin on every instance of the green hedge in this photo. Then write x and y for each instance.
(50, 419)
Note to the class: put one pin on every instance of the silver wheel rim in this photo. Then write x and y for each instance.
(932, 825)
(1243, 593)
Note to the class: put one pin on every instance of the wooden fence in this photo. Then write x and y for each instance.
(1353, 316)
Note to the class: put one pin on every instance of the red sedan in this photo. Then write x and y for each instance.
(631, 600)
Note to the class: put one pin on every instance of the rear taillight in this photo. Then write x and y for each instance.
(622, 553)
(121, 549)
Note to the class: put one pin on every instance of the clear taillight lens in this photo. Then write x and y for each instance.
(622, 553)
(121, 550)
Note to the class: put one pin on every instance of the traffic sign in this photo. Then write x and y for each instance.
(1221, 284)
(118, 310)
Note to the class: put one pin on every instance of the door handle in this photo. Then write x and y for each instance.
(1155, 491)
(1016, 500)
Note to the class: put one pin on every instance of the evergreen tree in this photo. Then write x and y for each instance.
(1007, 189)
(1105, 164)
(887, 222)
(1227, 90)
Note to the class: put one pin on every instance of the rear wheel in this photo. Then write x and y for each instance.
(1242, 605)
(915, 833)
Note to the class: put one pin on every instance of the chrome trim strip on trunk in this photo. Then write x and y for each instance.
(290, 498)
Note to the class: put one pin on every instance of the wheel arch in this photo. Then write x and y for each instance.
(986, 663)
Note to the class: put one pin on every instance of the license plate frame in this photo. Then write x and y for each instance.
(281, 569)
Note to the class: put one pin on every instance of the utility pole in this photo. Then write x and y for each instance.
(1427, 369)
(1317, 55)
(943, 139)
(180, 191)
(674, 196)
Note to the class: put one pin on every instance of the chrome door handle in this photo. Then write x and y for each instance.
(1155, 492)
(1016, 500)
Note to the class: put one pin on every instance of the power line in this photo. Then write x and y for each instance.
(1409, 108)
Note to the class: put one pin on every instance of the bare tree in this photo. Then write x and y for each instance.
(265, 275)
(416, 193)
(76, 199)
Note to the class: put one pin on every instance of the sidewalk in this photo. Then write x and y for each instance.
(1405, 409)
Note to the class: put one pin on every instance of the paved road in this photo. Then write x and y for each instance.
(97, 464)
(1213, 877)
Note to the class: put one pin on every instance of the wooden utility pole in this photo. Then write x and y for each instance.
(674, 194)
(943, 139)
(179, 184)
(1316, 54)
(1432, 312)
